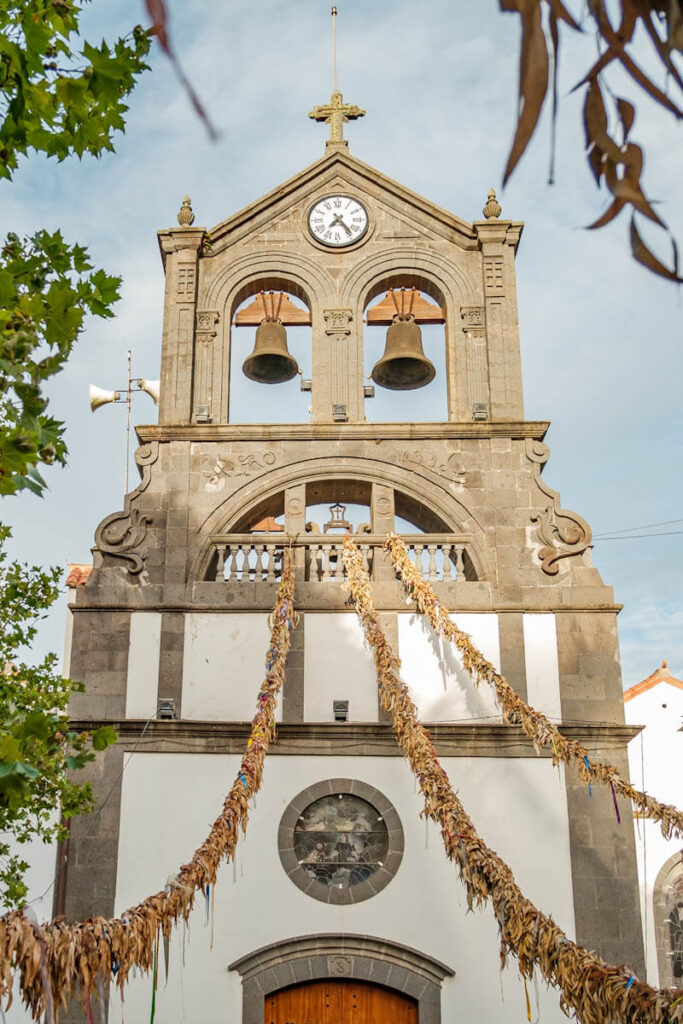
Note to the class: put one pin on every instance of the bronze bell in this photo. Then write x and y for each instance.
(404, 366)
(270, 362)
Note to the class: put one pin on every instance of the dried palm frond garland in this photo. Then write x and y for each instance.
(515, 710)
(592, 989)
(92, 953)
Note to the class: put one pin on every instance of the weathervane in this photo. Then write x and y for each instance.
(336, 112)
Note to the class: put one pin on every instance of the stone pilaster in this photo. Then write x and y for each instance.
(498, 240)
(180, 249)
(206, 405)
(338, 387)
(382, 521)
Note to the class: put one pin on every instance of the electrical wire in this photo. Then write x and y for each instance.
(125, 765)
(641, 536)
(37, 899)
(645, 526)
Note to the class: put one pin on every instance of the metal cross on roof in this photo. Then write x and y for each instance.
(336, 112)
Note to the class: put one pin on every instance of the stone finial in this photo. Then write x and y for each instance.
(185, 213)
(493, 208)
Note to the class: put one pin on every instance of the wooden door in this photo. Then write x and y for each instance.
(339, 1002)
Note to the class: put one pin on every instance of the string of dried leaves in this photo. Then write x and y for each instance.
(540, 730)
(590, 988)
(90, 954)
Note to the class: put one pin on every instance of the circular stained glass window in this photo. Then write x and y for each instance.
(341, 840)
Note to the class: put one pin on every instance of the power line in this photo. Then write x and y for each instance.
(645, 526)
(640, 536)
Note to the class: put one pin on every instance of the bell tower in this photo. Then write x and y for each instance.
(170, 632)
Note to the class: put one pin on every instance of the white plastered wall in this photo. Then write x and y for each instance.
(542, 665)
(338, 666)
(224, 665)
(518, 804)
(432, 669)
(143, 665)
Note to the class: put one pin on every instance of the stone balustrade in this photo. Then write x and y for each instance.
(257, 557)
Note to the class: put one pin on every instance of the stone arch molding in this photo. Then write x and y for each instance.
(669, 874)
(433, 493)
(316, 957)
(449, 278)
(232, 278)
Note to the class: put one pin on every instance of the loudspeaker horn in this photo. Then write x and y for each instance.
(99, 396)
(151, 387)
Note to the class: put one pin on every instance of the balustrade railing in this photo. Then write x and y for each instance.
(251, 558)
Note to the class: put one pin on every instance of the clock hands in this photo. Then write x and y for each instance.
(338, 220)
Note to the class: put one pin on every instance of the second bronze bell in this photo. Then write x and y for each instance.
(270, 361)
(404, 366)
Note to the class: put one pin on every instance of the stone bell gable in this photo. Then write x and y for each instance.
(468, 269)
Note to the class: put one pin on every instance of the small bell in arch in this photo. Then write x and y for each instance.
(404, 366)
(270, 361)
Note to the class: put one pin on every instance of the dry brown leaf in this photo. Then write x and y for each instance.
(595, 123)
(160, 28)
(596, 162)
(627, 113)
(643, 255)
(562, 14)
(533, 78)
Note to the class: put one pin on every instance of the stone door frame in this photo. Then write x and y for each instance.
(316, 957)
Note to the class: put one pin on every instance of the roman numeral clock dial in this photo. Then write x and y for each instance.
(338, 221)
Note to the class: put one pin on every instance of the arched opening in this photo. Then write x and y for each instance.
(668, 920)
(266, 302)
(339, 1001)
(250, 548)
(325, 957)
(405, 303)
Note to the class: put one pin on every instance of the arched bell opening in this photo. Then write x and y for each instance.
(405, 351)
(270, 353)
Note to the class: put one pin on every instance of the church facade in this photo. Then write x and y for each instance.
(341, 905)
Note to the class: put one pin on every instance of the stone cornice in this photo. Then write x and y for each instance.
(515, 430)
(323, 739)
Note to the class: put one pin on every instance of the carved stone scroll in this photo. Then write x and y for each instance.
(452, 469)
(122, 533)
(562, 533)
(230, 464)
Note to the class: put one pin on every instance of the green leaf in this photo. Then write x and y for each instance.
(104, 737)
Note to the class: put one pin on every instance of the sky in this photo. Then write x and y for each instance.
(601, 337)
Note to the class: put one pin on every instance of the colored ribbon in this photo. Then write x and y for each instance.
(155, 964)
(616, 805)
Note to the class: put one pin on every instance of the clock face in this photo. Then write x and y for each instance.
(338, 221)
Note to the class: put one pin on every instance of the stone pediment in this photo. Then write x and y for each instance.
(278, 214)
